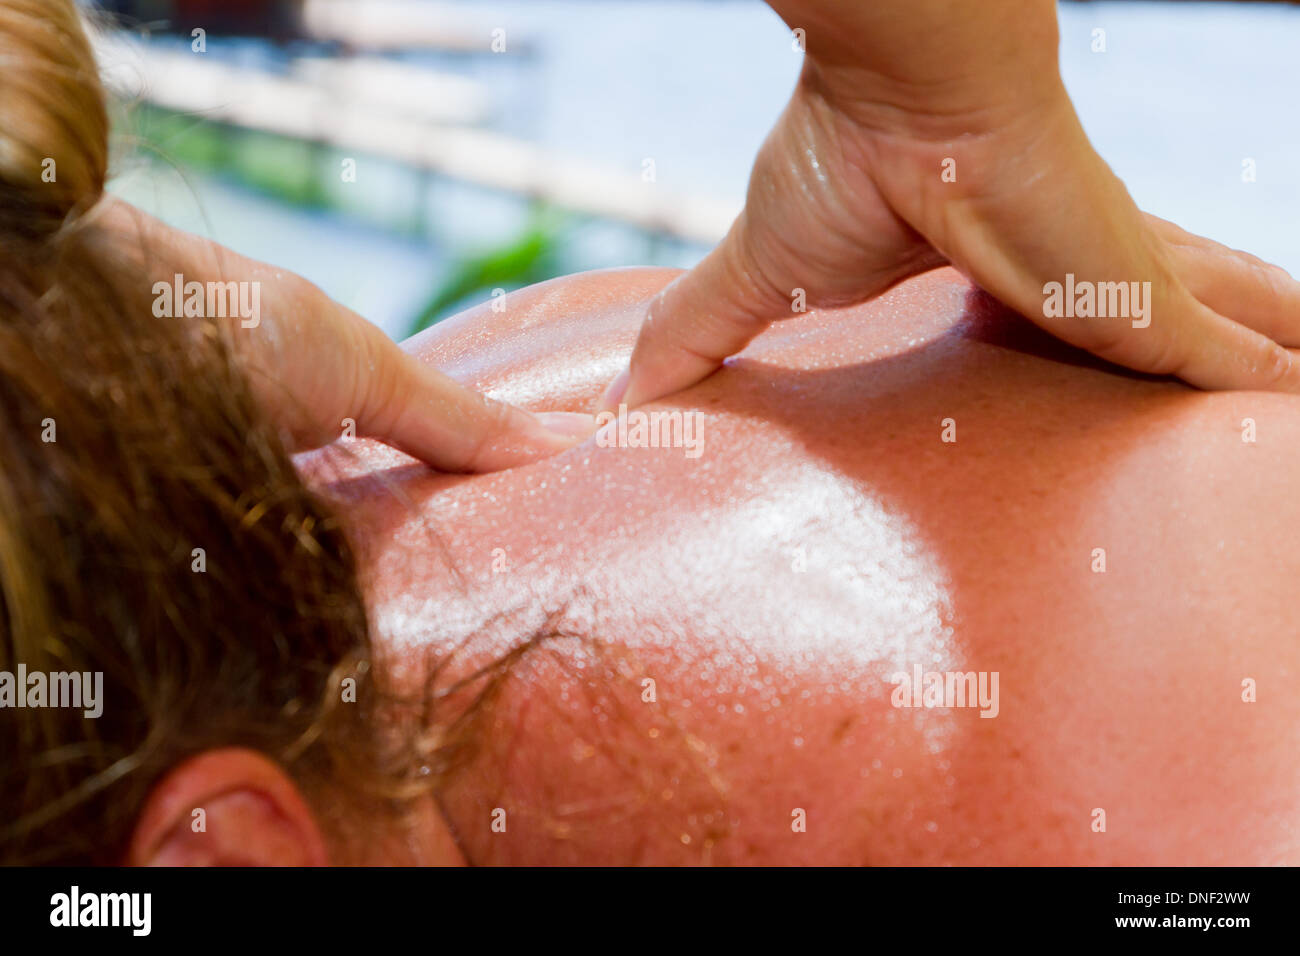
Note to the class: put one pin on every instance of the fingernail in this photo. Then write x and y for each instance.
(576, 425)
(615, 391)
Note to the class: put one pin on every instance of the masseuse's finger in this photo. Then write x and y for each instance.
(1234, 283)
(427, 414)
(1212, 351)
(314, 364)
(1178, 334)
(700, 319)
(1064, 258)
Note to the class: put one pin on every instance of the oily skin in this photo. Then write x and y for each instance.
(1118, 690)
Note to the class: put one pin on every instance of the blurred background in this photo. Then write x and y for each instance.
(410, 156)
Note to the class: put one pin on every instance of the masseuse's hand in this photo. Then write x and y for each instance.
(849, 196)
(314, 364)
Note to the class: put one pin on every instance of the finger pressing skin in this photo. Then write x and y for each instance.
(1236, 284)
(1178, 334)
(1016, 247)
(453, 428)
(1218, 353)
(313, 363)
(1204, 349)
(702, 318)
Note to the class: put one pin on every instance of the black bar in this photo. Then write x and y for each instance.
(679, 908)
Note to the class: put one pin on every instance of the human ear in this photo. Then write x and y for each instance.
(227, 807)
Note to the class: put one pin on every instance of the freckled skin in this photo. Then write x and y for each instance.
(825, 538)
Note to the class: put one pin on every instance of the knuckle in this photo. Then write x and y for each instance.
(1276, 366)
(1119, 344)
(376, 386)
(1276, 284)
(495, 421)
(1166, 355)
(755, 271)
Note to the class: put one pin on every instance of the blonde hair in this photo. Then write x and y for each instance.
(127, 442)
(53, 123)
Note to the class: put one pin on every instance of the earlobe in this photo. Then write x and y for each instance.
(230, 807)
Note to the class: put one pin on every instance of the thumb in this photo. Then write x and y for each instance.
(700, 319)
(451, 427)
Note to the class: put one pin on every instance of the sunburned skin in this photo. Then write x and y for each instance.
(825, 538)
